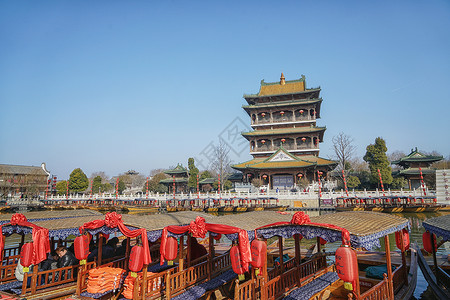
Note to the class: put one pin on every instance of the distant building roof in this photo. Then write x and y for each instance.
(209, 180)
(23, 170)
(281, 87)
(415, 156)
(179, 169)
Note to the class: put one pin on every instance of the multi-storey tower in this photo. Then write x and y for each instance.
(285, 140)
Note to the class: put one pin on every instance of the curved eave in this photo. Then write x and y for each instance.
(251, 107)
(253, 96)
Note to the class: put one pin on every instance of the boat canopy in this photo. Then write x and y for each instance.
(365, 228)
(439, 226)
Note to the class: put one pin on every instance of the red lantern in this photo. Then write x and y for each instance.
(171, 250)
(300, 175)
(301, 111)
(426, 240)
(26, 256)
(283, 140)
(235, 257)
(399, 200)
(81, 245)
(136, 260)
(259, 254)
(303, 139)
(347, 266)
(435, 200)
(218, 237)
(281, 112)
(263, 142)
(322, 241)
(399, 235)
(263, 114)
(264, 176)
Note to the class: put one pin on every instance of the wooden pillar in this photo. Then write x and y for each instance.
(405, 269)
(181, 254)
(188, 256)
(210, 255)
(280, 249)
(100, 248)
(433, 239)
(318, 244)
(298, 257)
(22, 242)
(389, 266)
(144, 281)
(127, 252)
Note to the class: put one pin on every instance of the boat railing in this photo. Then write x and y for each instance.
(279, 284)
(8, 268)
(289, 264)
(443, 277)
(220, 263)
(177, 282)
(45, 279)
(248, 290)
(378, 291)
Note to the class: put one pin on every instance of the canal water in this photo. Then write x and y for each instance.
(422, 292)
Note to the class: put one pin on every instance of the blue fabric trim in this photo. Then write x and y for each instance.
(11, 285)
(198, 291)
(313, 287)
(438, 231)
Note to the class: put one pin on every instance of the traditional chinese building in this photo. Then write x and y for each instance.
(180, 176)
(411, 164)
(18, 180)
(285, 140)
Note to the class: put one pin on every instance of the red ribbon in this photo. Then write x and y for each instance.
(114, 220)
(41, 242)
(300, 218)
(199, 228)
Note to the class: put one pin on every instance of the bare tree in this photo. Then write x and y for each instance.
(396, 155)
(344, 150)
(221, 162)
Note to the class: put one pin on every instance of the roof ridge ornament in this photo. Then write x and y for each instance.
(282, 79)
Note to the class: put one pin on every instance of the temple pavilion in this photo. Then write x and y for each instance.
(285, 139)
(178, 176)
(411, 164)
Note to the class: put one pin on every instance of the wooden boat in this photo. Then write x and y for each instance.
(240, 208)
(142, 209)
(437, 278)
(171, 208)
(311, 278)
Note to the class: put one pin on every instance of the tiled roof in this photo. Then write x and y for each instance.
(207, 181)
(282, 87)
(283, 131)
(283, 103)
(416, 156)
(177, 180)
(179, 169)
(291, 161)
(14, 169)
(416, 171)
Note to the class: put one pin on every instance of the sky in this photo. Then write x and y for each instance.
(139, 85)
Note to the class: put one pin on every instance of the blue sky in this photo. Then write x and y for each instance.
(118, 85)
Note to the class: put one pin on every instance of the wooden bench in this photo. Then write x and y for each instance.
(313, 287)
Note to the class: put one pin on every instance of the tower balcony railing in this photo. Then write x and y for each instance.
(280, 120)
(289, 147)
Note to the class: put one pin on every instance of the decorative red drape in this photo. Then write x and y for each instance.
(113, 220)
(300, 218)
(41, 242)
(199, 228)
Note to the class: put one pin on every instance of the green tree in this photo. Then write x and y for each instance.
(154, 185)
(205, 174)
(121, 187)
(61, 187)
(399, 182)
(78, 181)
(97, 185)
(193, 172)
(377, 159)
(353, 182)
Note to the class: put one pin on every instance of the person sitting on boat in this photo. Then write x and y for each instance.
(66, 259)
(19, 273)
(109, 249)
(50, 263)
(197, 250)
